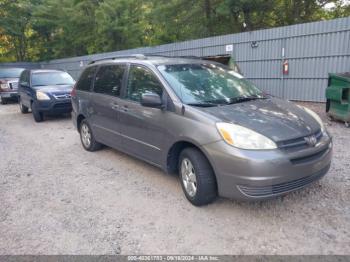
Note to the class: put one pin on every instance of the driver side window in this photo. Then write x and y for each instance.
(24, 78)
(141, 81)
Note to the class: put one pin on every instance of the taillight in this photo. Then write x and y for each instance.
(73, 93)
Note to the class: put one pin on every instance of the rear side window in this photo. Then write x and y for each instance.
(85, 79)
(141, 81)
(109, 79)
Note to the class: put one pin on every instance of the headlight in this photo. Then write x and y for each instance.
(4, 86)
(241, 137)
(42, 96)
(316, 117)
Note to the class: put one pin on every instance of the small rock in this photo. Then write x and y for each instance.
(68, 201)
(117, 251)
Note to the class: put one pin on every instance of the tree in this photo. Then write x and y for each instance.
(46, 29)
(14, 27)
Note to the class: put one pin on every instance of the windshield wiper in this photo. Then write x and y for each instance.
(202, 104)
(240, 99)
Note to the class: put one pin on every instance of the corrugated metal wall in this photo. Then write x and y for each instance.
(312, 51)
(20, 64)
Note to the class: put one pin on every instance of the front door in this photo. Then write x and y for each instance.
(105, 104)
(142, 128)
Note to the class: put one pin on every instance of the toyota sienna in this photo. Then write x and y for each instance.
(222, 134)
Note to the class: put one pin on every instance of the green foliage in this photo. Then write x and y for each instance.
(46, 29)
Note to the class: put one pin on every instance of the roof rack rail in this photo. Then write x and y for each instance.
(175, 56)
(138, 56)
(142, 56)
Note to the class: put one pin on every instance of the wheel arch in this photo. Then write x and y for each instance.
(175, 150)
(80, 118)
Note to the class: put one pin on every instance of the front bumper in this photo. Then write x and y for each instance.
(54, 106)
(11, 94)
(255, 175)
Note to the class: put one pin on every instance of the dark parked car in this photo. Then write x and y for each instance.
(45, 92)
(221, 133)
(9, 83)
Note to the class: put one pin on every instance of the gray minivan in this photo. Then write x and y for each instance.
(199, 118)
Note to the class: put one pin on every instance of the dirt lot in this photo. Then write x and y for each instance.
(56, 198)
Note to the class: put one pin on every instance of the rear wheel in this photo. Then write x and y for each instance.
(38, 116)
(23, 108)
(3, 101)
(87, 138)
(197, 177)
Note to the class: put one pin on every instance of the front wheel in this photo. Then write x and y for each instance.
(23, 108)
(87, 138)
(3, 101)
(38, 116)
(197, 177)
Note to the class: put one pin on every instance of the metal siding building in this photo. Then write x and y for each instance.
(312, 50)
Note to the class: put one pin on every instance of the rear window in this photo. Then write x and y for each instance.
(85, 80)
(11, 72)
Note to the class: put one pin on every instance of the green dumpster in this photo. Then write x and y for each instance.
(338, 97)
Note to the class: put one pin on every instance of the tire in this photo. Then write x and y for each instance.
(3, 101)
(205, 181)
(38, 116)
(87, 138)
(23, 108)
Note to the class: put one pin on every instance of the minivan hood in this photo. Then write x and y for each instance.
(54, 89)
(274, 118)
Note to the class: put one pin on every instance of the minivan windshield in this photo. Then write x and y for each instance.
(208, 84)
(51, 78)
(10, 72)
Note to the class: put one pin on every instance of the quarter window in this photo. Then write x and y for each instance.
(85, 79)
(141, 81)
(109, 79)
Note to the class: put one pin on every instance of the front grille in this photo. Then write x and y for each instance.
(13, 85)
(62, 97)
(62, 105)
(266, 191)
(298, 143)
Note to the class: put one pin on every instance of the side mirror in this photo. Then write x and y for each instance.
(24, 84)
(151, 100)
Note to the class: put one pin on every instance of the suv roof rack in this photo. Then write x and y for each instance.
(137, 56)
(142, 56)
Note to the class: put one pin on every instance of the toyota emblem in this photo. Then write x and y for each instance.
(311, 140)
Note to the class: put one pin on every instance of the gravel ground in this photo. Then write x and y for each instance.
(56, 198)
